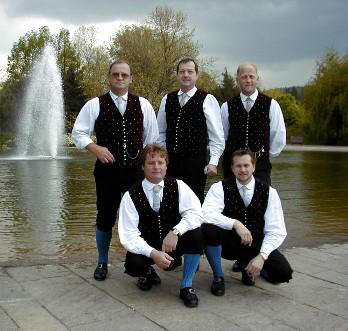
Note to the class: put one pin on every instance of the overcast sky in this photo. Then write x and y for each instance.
(284, 38)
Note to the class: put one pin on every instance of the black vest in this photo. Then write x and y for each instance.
(154, 226)
(187, 132)
(249, 130)
(253, 215)
(122, 135)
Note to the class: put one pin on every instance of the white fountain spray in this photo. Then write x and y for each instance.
(41, 126)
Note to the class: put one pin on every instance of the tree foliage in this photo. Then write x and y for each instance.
(227, 89)
(153, 49)
(94, 61)
(25, 52)
(292, 112)
(326, 100)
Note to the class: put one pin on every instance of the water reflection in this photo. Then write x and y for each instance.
(34, 198)
(47, 207)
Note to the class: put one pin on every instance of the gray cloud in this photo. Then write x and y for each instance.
(286, 34)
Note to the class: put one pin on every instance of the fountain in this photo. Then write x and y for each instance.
(40, 131)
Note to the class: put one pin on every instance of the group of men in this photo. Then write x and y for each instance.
(160, 167)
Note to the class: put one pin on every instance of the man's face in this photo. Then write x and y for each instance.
(155, 167)
(243, 168)
(187, 76)
(120, 78)
(247, 79)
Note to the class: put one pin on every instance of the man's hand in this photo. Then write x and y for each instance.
(243, 232)
(169, 242)
(102, 153)
(162, 259)
(255, 265)
(210, 170)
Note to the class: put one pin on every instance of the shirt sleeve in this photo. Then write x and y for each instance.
(150, 123)
(189, 208)
(162, 122)
(84, 124)
(225, 119)
(211, 111)
(275, 231)
(129, 234)
(214, 205)
(277, 129)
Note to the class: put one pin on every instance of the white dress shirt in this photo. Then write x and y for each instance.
(84, 124)
(129, 234)
(274, 230)
(211, 112)
(277, 136)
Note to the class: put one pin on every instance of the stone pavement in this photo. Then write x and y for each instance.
(66, 297)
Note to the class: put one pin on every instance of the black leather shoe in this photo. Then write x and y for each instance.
(189, 296)
(101, 271)
(218, 287)
(236, 267)
(177, 262)
(154, 277)
(247, 279)
(144, 283)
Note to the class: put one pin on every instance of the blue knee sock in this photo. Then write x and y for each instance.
(191, 262)
(103, 243)
(213, 254)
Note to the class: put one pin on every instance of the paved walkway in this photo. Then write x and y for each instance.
(66, 297)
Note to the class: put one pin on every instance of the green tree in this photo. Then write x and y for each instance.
(153, 49)
(227, 88)
(94, 61)
(74, 99)
(25, 52)
(292, 112)
(326, 100)
(67, 57)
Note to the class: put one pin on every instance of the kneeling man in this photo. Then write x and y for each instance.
(244, 221)
(159, 221)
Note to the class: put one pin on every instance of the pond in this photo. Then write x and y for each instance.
(47, 207)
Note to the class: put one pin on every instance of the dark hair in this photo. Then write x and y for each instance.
(120, 61)
(154, 148)
(186, 60)
(242, 152)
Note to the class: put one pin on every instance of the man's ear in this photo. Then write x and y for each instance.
(142, 168)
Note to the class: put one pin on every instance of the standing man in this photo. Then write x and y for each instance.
(159, 222)
(252, 121)
(123, 124)
(245, 220)
(189, 119)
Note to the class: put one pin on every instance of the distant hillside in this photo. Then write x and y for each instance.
(296, 91)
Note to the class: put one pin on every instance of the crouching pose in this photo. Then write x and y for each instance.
(244, 221)
(160, 221)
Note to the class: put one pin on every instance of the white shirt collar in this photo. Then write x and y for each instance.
(190, 93)
(114, 96)
(249, 186)
(149, 186)
(252, 97)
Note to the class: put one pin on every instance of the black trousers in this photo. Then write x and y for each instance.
(111, 183)
(262, 170)
(191, 242)
(276, 266)
(190, 170)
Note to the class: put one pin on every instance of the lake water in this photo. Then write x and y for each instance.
(47, 207)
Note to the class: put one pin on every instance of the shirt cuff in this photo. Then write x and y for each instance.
(148, 250)
(181, 228)
(84, 143)
(267, 249)
(214, 160)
